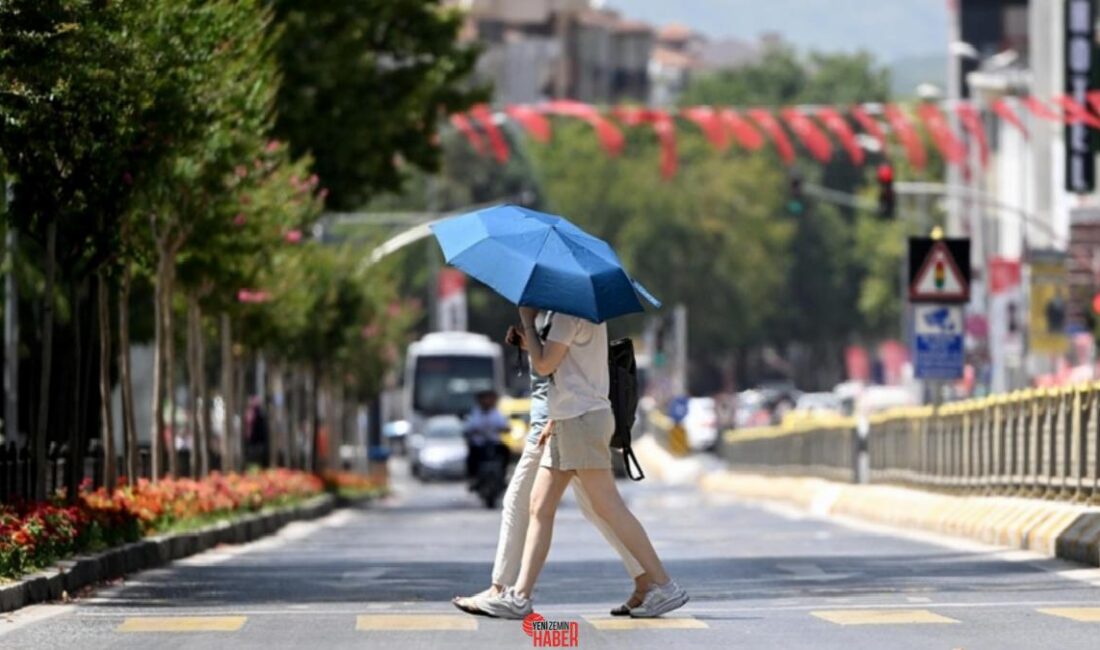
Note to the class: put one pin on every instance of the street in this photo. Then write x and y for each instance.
(758, 578)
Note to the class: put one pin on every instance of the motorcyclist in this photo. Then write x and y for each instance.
(484, 424)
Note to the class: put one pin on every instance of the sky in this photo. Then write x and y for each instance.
(890, 29)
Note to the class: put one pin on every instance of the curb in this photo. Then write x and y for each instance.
(1056, 529)
(68, 576)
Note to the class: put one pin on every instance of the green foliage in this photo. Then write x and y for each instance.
(364, 84)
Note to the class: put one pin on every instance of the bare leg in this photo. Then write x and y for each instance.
(549, 487)
(609, 505)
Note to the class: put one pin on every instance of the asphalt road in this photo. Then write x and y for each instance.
(759, 578)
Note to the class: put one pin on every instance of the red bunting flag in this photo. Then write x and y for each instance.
(972, 122)
(459, 121)
(663, 127)
(839, 127)
(1005, 112)
(907, 136)
(497, 144)
(779, 138)
(743, 131)
(811, 137)
(1041, 110)
(611, 138)
(1075, 113)
(532, 121)
(951, 148)
(710, 123)
(869, 125)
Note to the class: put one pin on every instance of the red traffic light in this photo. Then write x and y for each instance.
(885, 173)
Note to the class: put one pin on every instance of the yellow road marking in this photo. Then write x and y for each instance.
(1082, 614)
(182, 624)
(415, 622)
(627, 623)
(881, 616)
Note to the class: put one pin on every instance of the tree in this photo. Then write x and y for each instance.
(70, 109)
(364, 85)
(229, 78)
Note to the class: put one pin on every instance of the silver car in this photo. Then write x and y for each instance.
(439, 451)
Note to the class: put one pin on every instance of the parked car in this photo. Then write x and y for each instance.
(701, 423)
(439, 451)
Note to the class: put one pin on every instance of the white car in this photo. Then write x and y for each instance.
(701, 423)
(439, 452)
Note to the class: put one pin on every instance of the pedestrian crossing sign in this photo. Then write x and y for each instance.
(939, 270)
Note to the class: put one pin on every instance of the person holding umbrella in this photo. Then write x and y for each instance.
(544, 262)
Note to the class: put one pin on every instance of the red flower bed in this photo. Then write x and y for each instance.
(33, 535)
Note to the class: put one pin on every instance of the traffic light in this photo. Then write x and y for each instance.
(886, 197)
(796, 201)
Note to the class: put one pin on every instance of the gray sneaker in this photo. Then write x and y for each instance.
(506, 605)
(660, 599)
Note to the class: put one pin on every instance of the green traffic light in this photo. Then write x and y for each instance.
(795, 207)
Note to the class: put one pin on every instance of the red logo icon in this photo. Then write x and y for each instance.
(551, 634)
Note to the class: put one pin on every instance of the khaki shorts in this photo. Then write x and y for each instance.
(581, 442)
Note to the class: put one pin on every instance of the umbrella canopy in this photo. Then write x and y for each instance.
(541, 260)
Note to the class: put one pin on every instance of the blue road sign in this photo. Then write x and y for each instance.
(938, 341)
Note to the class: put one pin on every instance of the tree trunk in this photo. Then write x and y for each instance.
(170, 368)
(228, 462)
(313, 402)
(194, 368)
(294, 419)
(277, 430)
(156, 431)
(126, 388)
(47, 362)
(206, 426)
(74, 468)
(107, 426)
(274, 421)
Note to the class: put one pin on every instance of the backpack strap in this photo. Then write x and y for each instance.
(628, 457)
(545, 331)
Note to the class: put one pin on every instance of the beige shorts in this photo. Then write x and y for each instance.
(581, 442)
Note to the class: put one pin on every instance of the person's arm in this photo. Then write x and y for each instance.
(545, 357)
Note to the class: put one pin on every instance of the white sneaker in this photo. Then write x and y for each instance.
(506, 605)
(660, 599)
(468, 604)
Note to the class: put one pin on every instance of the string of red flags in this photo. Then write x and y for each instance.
(746, 134)
(972, 123)
(775, 132)
(839, 127)
(907, 136)
(957, 131)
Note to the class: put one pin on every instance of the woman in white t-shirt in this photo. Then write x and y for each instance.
(577, 444)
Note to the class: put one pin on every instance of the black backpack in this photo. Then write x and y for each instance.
(623, 394)
(624, 400)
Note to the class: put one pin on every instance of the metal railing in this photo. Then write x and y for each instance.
(1040, 443)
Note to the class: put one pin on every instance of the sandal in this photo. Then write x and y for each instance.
(624, 609)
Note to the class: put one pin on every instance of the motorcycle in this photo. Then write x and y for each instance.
(489, 467)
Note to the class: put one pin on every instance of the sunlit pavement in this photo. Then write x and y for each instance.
(759, 578)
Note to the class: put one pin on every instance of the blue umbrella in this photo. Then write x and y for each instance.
(541, 260)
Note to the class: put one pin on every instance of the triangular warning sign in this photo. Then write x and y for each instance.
(939, 277)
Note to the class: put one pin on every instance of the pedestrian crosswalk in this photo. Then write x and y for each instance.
(435, 622)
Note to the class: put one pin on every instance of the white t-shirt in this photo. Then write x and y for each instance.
(581, 382)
